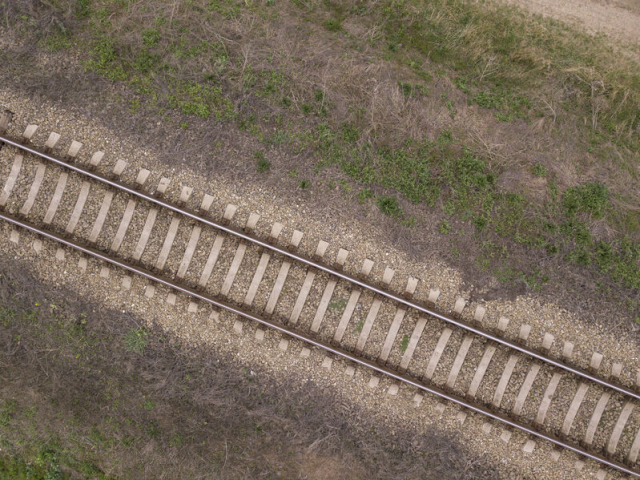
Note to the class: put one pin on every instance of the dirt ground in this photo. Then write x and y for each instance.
(619, 19)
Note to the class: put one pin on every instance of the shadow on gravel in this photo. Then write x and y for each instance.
(90, 393)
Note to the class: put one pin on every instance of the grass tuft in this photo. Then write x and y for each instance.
(404, 344)
(389, 206)
(554, 85)
(364, 195)
(262, 164)
(136, 340)
(592, 198)
(333, 25)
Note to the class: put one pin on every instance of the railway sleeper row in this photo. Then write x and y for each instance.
(436, 357)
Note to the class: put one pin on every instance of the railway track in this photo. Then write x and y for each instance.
(131, 226)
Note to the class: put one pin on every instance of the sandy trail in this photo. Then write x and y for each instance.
(619, 19)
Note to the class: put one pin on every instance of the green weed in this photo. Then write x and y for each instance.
(592, 198)
(338, 305)
(404, 343)
(39, 468)
(83, 8)
(409, 222)
(389, 206)
(145, 61)
(333, 25)
(445, 227)
(406, 89)
(445, 137)
(349, 132)
(509, 105)
(7, 411)
(262, 164)
(279, 137)
(364, 195)
(192, 98)
(275, 82)
(346, 186)
(136, 340)
(176, 440)
(106, 61)
(7, 316)
(55, 43)
(150, 37)
(539, 170)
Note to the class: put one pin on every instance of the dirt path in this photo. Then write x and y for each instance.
(619, 19)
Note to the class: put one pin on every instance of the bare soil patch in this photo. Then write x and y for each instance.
(617, 18)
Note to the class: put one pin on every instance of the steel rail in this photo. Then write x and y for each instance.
(316, 343)
(250, 238)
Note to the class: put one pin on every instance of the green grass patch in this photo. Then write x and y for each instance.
(150, 37)
(508, 105)
(262, 164)
(507, 55)
(338, 305)
(333, 24)
(56, 42)
(539, 170)
(105, 61)
(44, 466)
(7, 410)
(136, 340)
(364, 195)
(193, 98)
(592, 198)
(404, 343)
